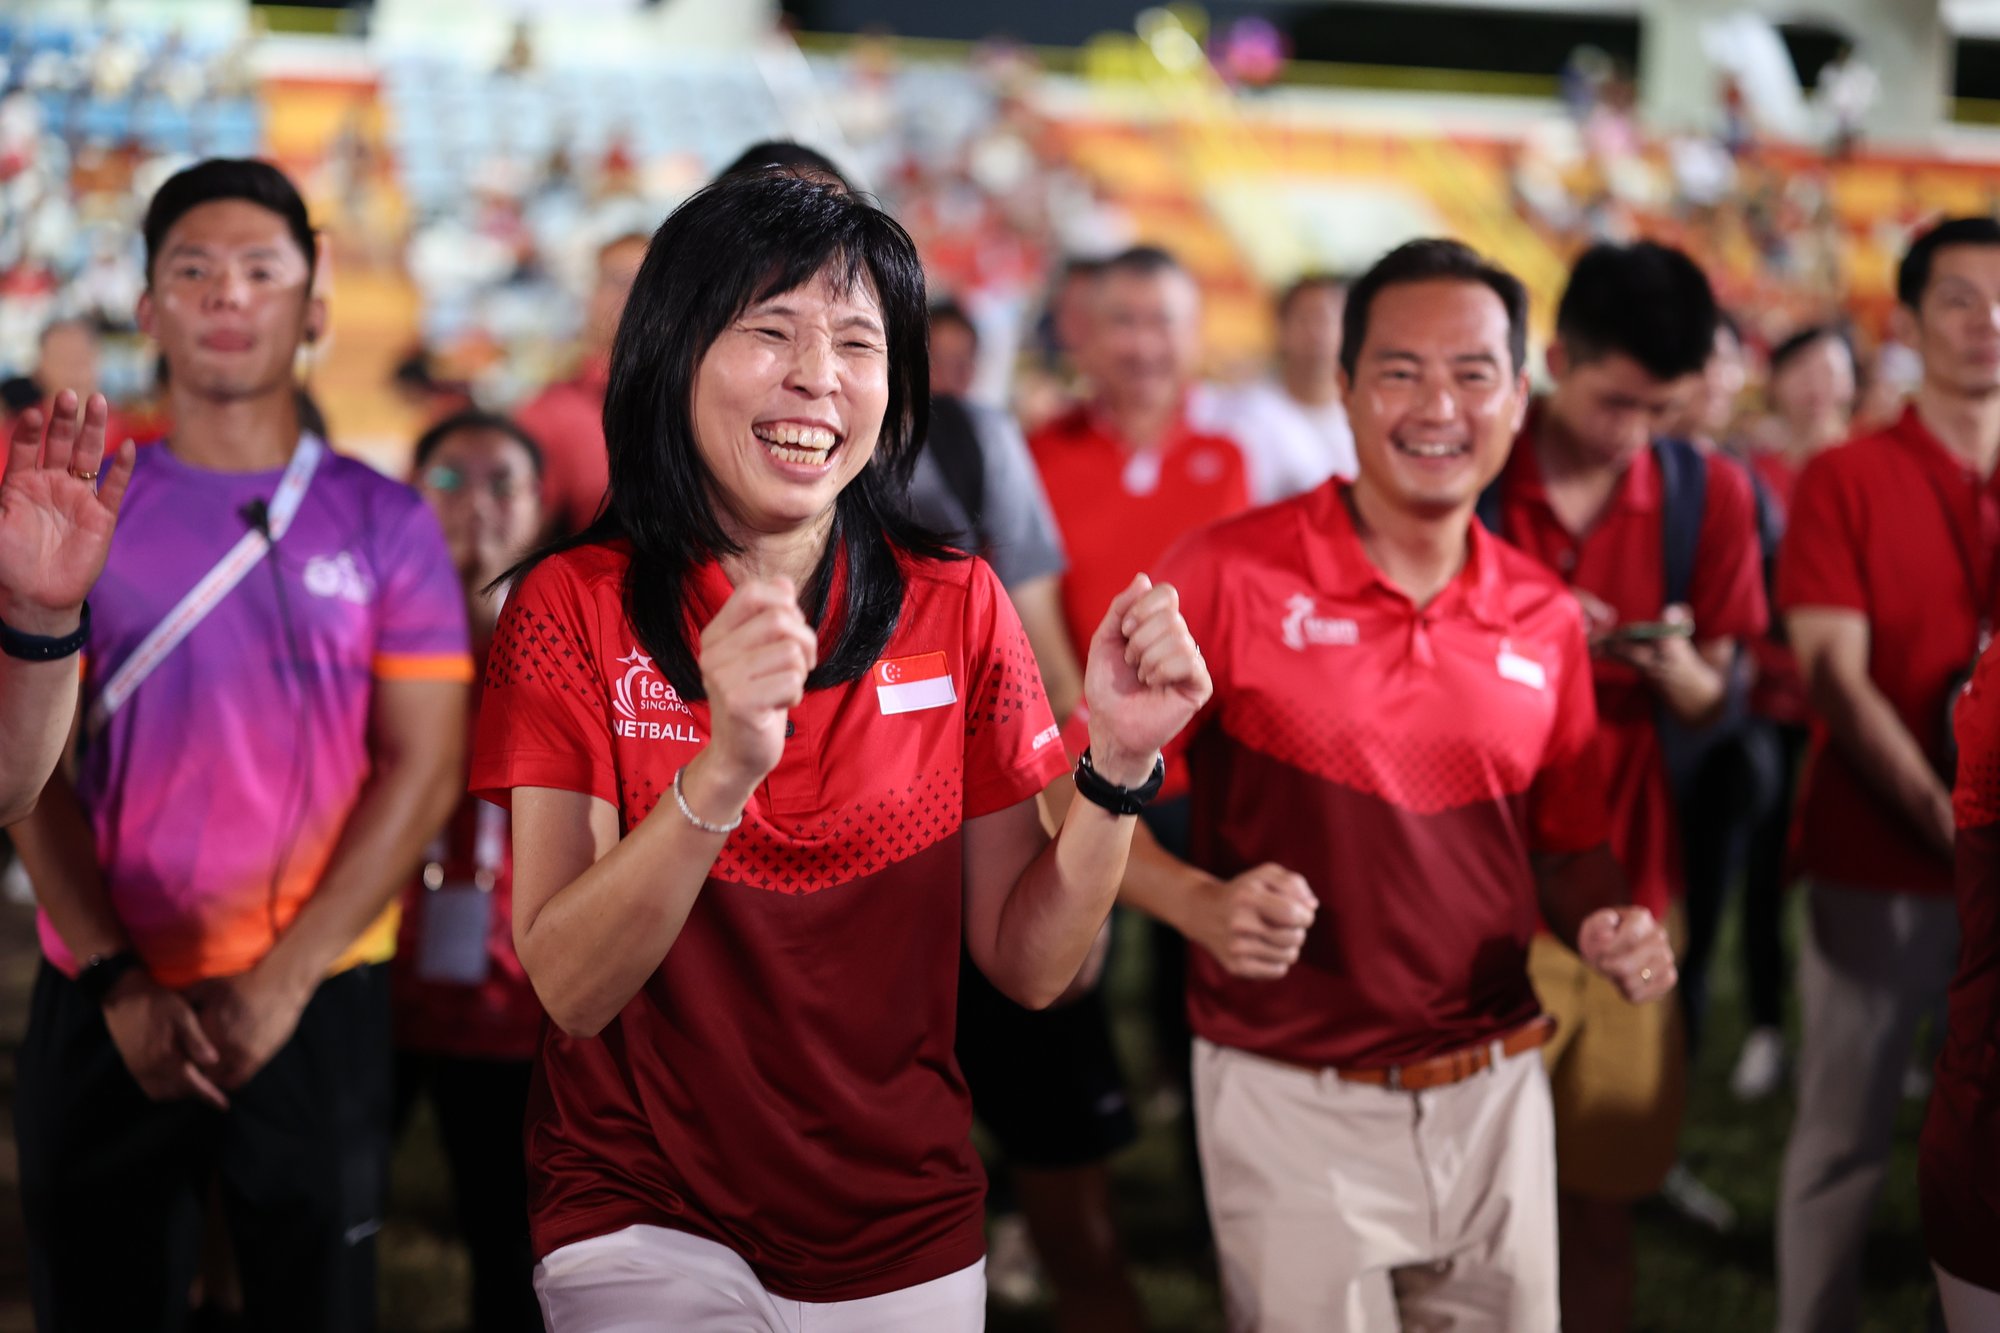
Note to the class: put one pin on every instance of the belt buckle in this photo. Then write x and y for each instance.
(1394, 1081)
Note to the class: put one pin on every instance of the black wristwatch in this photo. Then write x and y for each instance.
(1101, 791)
(45, 647)
(103, 971)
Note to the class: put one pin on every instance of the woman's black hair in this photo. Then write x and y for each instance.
(472, 419)
(1790, 349)
(741, 240)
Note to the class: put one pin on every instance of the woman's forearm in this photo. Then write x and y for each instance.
(590, 946)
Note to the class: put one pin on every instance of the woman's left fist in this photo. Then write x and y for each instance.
(1144, 680)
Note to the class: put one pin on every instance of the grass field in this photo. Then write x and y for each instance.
(1690, 1280)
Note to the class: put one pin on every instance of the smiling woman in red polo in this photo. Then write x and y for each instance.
(772, 752)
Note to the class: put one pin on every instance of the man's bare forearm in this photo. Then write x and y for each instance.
(406, 801)
(1866, 728)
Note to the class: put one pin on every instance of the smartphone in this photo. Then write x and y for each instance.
(1652, 631)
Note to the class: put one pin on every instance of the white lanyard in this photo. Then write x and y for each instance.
(215, 585)
(489, 851)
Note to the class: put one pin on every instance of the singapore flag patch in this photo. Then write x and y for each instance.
(911, 684)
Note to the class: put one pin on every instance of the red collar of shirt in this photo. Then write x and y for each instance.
(709, 587)
(1637, 492)
(1341, 565)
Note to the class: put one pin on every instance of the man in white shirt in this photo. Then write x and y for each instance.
(1292, 427)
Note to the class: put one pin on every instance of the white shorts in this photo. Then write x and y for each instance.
(646, 1278)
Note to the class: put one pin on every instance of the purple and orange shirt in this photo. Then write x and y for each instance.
(217, 794)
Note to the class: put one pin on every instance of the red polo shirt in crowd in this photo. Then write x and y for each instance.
(1895, 527)
(1407, 762)
(1958, 1156)
(1120, 509)
(1621, 562)
(784, 1084)
(567, 421)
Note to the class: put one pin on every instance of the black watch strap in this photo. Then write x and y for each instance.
(103, 971)
(1101, 791)
(44, 647)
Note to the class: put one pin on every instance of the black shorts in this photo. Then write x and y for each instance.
(115, 1186)
(1045, 1083)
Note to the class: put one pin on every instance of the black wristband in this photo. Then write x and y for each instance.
(1101, 791)
(103, 971)
(42, 647)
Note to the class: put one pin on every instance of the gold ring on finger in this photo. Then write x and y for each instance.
(84, 476)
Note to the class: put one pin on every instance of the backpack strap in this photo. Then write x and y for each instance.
(1683, 504)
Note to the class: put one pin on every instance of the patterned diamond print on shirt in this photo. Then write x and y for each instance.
(1011, 684)
(1415, 768)
(530, 648)
(877, 830)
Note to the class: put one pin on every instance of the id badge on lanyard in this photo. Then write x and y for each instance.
(457, 915)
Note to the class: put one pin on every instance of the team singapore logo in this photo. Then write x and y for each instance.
(1301, 628)
(641, 691)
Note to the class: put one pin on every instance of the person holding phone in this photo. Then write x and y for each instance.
(772, 753)
(1659, 544)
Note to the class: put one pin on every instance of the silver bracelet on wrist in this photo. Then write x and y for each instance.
(696, 819)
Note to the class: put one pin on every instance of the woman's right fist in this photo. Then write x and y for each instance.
(755, 656)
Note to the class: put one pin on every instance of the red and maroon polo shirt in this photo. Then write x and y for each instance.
(1621, 561)
(1895, 527)
(1958, 1155)
(784, 1084)
(1405, 761)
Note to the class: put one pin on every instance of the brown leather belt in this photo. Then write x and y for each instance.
(1454, 1066)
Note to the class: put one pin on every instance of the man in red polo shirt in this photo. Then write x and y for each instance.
(567, 418)
(1886, 580)
(1127, 475)
(1394, 783)
(1659, 544)
(1125, 472)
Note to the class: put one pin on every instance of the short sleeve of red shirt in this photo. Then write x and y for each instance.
(543, 717)
(1727, 592)
(1567, 810)
(1820, 561)
(1012, 744)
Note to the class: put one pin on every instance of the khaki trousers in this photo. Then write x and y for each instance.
(1341, 1206)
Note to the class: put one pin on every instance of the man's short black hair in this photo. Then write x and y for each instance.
(1432, 259)
(220, 178)
(1144, 261)
(1646, 301)
(1307, 282)
(785, 155)
(1913, 275)
(949, 311)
